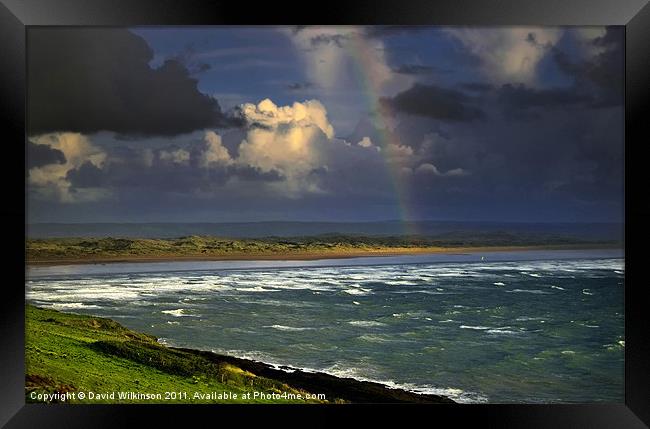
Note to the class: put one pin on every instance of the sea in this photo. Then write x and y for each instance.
(489, 327)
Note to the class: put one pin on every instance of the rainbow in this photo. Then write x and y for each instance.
(361, 52)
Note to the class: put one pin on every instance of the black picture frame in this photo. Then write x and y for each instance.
(17, 15)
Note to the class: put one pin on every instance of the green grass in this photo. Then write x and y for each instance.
(53, 249)
(74, 353)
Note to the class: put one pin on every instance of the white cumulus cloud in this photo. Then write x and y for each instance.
(214, 151)
(289, 139)
(51, 179)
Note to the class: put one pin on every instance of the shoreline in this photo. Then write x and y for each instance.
(310, 256)
(127, 358)
(347, 388)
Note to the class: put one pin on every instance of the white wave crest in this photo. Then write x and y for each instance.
(73, 305)
(288, 328)
(176, 313)
(366, 323)
(357, 291)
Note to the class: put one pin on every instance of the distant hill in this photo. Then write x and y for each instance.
(582, 231)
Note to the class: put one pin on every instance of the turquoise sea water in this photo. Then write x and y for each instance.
(513, 327)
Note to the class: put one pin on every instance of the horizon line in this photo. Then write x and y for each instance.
(321, 221)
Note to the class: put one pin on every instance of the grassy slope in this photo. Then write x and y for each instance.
(54, 249)
(68, 352)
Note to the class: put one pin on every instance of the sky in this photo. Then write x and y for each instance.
(309, 123)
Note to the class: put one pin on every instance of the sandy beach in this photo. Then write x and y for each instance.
(305, 256)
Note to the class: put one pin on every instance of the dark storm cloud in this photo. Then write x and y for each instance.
(522, 102)
(555, 160)
(126, 170)
(602, 74)
(89, 80)
(435, 102)
(163, 178)
(39, 155)
(86, 176)
(476, 87)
